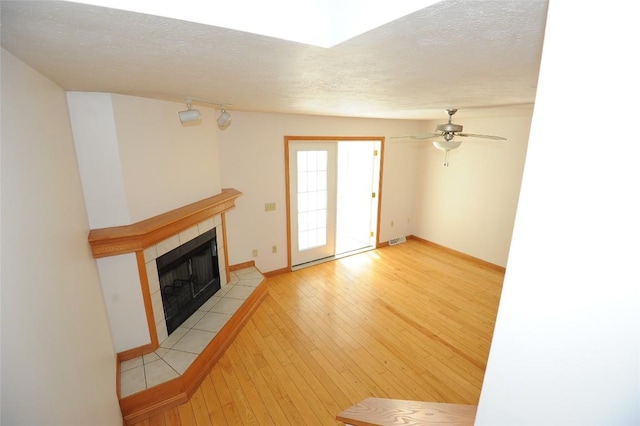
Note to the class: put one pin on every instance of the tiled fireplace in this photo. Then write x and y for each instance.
(148, 240)
(157, 250)
(181, 349)
(167, 371)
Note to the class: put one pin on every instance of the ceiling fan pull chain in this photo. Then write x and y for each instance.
(446, 158)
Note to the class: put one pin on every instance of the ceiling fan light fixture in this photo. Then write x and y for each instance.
(446, 146)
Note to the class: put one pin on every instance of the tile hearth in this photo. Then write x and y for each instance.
(182, 347)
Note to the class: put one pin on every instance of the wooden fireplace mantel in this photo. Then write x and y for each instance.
(138, 236)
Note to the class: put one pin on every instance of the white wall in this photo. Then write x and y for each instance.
(96, 143)
(58, 360)
(136, 161)
(566, 347)
(252, 161)
(470, 205)
(135, 153)
(165, 164)
(123, 298)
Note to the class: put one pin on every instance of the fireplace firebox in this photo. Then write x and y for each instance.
(189, 276)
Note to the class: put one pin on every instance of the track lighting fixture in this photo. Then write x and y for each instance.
(224, 120)
(190, 114)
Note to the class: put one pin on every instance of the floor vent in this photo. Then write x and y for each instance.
(394, 241)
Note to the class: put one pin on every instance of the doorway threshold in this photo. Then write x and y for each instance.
(330, 258)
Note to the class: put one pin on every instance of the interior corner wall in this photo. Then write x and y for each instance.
(470, 205)
(58, 360)
(566, 345)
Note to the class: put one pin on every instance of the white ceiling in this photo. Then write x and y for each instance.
(481, 56)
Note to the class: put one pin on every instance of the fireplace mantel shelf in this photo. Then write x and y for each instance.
(138, 236)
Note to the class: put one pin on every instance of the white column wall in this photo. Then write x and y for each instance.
(566, 346)
(96, 143)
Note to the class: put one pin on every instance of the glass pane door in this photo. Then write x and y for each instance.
(313, 200)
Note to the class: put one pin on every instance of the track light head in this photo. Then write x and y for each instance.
(189, 114)
(224, 120)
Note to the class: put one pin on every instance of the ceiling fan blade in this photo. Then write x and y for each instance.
(426, 136)
(471, 135)
(420, 136)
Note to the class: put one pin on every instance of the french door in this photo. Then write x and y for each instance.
(313, 180)
(333, 193)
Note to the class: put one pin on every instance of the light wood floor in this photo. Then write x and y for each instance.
(411, 321)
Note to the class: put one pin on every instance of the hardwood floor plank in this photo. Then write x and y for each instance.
(231, 414)
(329, 396)
(248, 384)
(291, 411)
(388, 385)
(412, 321)
(288, 385)
(350, 392)
(186, 414)
(333, 388)
(254, 349)
(199, 407)
(257, 380)
(242, 404)
(273, 374)
(225, 397)
(317, 413)
(214, 408)
(396, 367)
(157, 420)
(172, 417)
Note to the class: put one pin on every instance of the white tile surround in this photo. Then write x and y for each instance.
(181, 348)
(177, 351)
(155, 251)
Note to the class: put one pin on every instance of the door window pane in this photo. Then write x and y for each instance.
(312, 199)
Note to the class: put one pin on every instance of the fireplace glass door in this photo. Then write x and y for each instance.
(189, 276)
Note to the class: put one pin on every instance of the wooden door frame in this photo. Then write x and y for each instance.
(336, 139)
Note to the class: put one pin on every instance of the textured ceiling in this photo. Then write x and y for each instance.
(467, 54)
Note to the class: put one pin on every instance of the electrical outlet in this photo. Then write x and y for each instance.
(269, 207)
(274, 249)
(254, 253)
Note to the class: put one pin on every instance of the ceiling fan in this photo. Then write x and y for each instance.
(448, 131)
